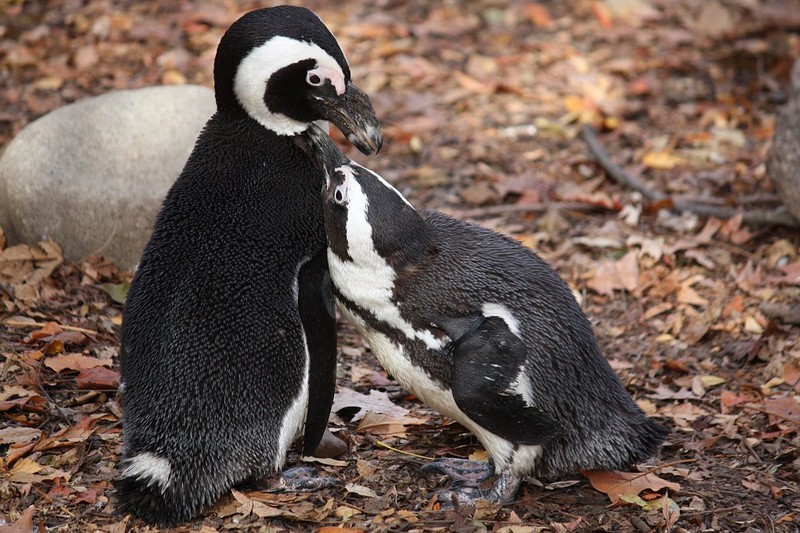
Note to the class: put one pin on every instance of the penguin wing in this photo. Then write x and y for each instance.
(488, 384)
(315, 300)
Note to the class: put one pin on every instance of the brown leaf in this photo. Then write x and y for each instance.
(616, 275)
(27, 471)
(538, 14)
(98, 378)
(19, 435)
(386, 425)
(68, 436)
(75, 361)
(616, 484)
(791, 374)
(784, 409)
(23, 524)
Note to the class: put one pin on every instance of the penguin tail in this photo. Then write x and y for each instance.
(151, 489)
(649, 435)
(147, 501)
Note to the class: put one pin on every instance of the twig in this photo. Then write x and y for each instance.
(739, 200)
(503, 209)
(789, 314)
(24, 324)
(779, 216)
(770, 413)
(388, 447)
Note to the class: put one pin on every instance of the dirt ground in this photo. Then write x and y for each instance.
(482, 105)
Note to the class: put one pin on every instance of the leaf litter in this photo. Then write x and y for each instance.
(482, 106)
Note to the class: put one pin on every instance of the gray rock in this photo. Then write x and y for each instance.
(92, 175)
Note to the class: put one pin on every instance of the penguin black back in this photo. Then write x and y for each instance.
(228, 338)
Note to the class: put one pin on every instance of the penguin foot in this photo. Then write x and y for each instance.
(503, 491)
(304, 479)
(462, 471)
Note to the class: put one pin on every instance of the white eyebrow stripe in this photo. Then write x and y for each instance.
(258, 66)
(385, 183)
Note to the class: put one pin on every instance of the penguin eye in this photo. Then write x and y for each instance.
(314, 79)
(340, 195)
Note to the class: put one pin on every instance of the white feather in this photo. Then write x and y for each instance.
(262, 62)
(151, 467)
(368, 280)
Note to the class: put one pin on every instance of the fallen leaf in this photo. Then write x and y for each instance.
(19, 435)
(616, 484)
(537, 14)
(75, 361)
(361, 490)
(712, 381)
(23, 524)
(27, 471)
(385, 425)
(616, 275)
(98, 378)
(784, 409)
(715, 20)
(376, 401)
(117, 291)
(661, 160)
(323, 461)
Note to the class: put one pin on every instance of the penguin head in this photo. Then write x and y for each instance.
(365, 216)
(284, 69)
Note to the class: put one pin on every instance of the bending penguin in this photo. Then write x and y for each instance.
(228, 337)
(480, 329)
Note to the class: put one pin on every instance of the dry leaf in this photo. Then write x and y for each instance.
(27, 471)
(23, 524)
(616, 484)
(376, 401)
(74, 361)
(19, 435)
(361, 490)
(616, 275)
(784, 409)
(98, 378)
(662, 160)
(385, 425)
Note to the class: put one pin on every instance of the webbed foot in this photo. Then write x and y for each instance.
(461, 471)
(303, 479)
(503, 491)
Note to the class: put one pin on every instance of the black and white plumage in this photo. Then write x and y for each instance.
(480, 329)
(228, 337)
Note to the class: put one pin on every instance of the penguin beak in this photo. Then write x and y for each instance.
(352, 113)
(323, 150)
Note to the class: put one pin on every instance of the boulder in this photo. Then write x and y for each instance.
(92, 175)
(783, 159)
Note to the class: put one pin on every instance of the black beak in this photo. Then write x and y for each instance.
(352, 113)
(323, 150)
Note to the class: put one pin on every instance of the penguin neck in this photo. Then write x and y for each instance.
(405, 243)
(245, 156)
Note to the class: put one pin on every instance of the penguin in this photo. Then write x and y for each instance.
(228, 348)
(482, 330)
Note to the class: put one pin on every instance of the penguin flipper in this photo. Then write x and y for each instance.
(317, 313)
(488, 365)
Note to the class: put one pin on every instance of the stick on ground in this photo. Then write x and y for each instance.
(778, 216)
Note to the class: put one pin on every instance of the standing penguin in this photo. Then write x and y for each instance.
(480, 329)
(228, 337)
